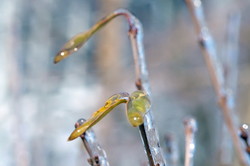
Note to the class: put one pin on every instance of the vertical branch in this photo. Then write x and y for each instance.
(190, 129)
(216, 73)
(207, 46)
(147, 130)
(96, 153)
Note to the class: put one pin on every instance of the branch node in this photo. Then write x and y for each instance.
(138, 84)
(133, 30)
(222, 99)
(201, 42)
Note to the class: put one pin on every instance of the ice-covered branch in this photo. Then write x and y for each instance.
(96, 153)
(148, 131)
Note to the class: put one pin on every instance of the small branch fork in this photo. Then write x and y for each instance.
(96, 153)
(216, 73)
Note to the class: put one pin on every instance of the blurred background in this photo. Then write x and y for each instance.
(41, 101)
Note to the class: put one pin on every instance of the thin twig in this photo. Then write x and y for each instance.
(148, 132)
(190, 129)
(216, 73)
(142, 83)
(146, 145)
(96, 153)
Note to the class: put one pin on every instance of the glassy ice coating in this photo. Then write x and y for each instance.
(137, 107)
(96, 149)
(75, 43)
(111, 103)
(97, 155)
(72, 46)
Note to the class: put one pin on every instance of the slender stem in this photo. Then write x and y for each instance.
(148, 129)
(216, 73)
(146, 145)
(190, 129)
(96, 153)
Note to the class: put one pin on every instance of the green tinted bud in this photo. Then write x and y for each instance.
(135, 117)
(137, 107)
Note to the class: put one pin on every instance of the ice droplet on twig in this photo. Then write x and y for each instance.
(97, 155)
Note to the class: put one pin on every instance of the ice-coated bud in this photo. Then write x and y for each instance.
(137, 107)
